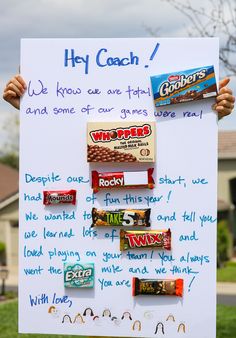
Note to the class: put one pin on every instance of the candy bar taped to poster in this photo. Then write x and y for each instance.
(92, 138)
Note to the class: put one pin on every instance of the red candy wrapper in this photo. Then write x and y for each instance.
(54, 197)
(142, 239)
(130, 180)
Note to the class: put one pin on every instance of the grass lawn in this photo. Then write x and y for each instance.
(9, 326)
(227, 273)
(226, 322)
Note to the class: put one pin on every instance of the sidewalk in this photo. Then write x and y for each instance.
(224, 288)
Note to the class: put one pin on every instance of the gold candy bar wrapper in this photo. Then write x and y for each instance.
(157, 287)
(121, 217)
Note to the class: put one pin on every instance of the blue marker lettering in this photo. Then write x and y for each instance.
(104, 283)
(165, 258)
(41, 89)
(199, 181)
(115, 61)
(30, 198)
(61, 300)
(36, 271)
(110, 200)
(60, 91)
(191, 237)
(37, 111)
(54, 271)
(139, 270)
(109, 255)
(38, 300)
(207, 218)
(111, 269)
(30, 217)
(131, 199)
(138, 92)
(160, 270)
(33, 252)
(124, 282)
(51, 178)
(75, 59)
(30, 234)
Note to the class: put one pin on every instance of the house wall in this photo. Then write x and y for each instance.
(226, 171)
(9, 232)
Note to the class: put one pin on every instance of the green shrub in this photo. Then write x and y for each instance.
(231, 264)
(224, 242)
(2, 253)
(2, 247)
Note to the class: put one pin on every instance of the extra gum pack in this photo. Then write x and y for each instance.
(184, 86)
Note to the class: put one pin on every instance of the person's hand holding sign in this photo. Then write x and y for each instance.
(224, 100)
(13, 91)
(224, 105)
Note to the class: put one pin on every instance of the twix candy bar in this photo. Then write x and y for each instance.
(122, 179)
(142, 239)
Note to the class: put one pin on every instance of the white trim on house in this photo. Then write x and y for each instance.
(9, 200)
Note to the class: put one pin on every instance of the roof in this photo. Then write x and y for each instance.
(227, 145)
(9, 179)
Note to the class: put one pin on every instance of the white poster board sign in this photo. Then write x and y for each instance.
(71, 82)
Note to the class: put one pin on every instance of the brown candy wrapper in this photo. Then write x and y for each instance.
(140, 239)
(184, 86)
(157, 287)
(121, 217)
(121, 142)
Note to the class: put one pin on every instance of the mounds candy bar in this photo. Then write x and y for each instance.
(184, 86)
(157, 287)
(121, 217)
(131, 180)
(139, 239)
(121, 142)
(53, 197)
(78, 275)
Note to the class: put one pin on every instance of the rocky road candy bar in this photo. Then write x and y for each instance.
(130, 179)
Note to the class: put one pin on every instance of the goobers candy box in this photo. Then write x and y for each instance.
(121, 142)
(184, 86)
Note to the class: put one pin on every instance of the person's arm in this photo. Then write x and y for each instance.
(13, 91)
(224, 100)
(224, 105)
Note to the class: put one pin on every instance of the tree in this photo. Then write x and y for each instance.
(10, 151)
(216, 18)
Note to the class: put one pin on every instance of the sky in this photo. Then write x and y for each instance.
(85, 19)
